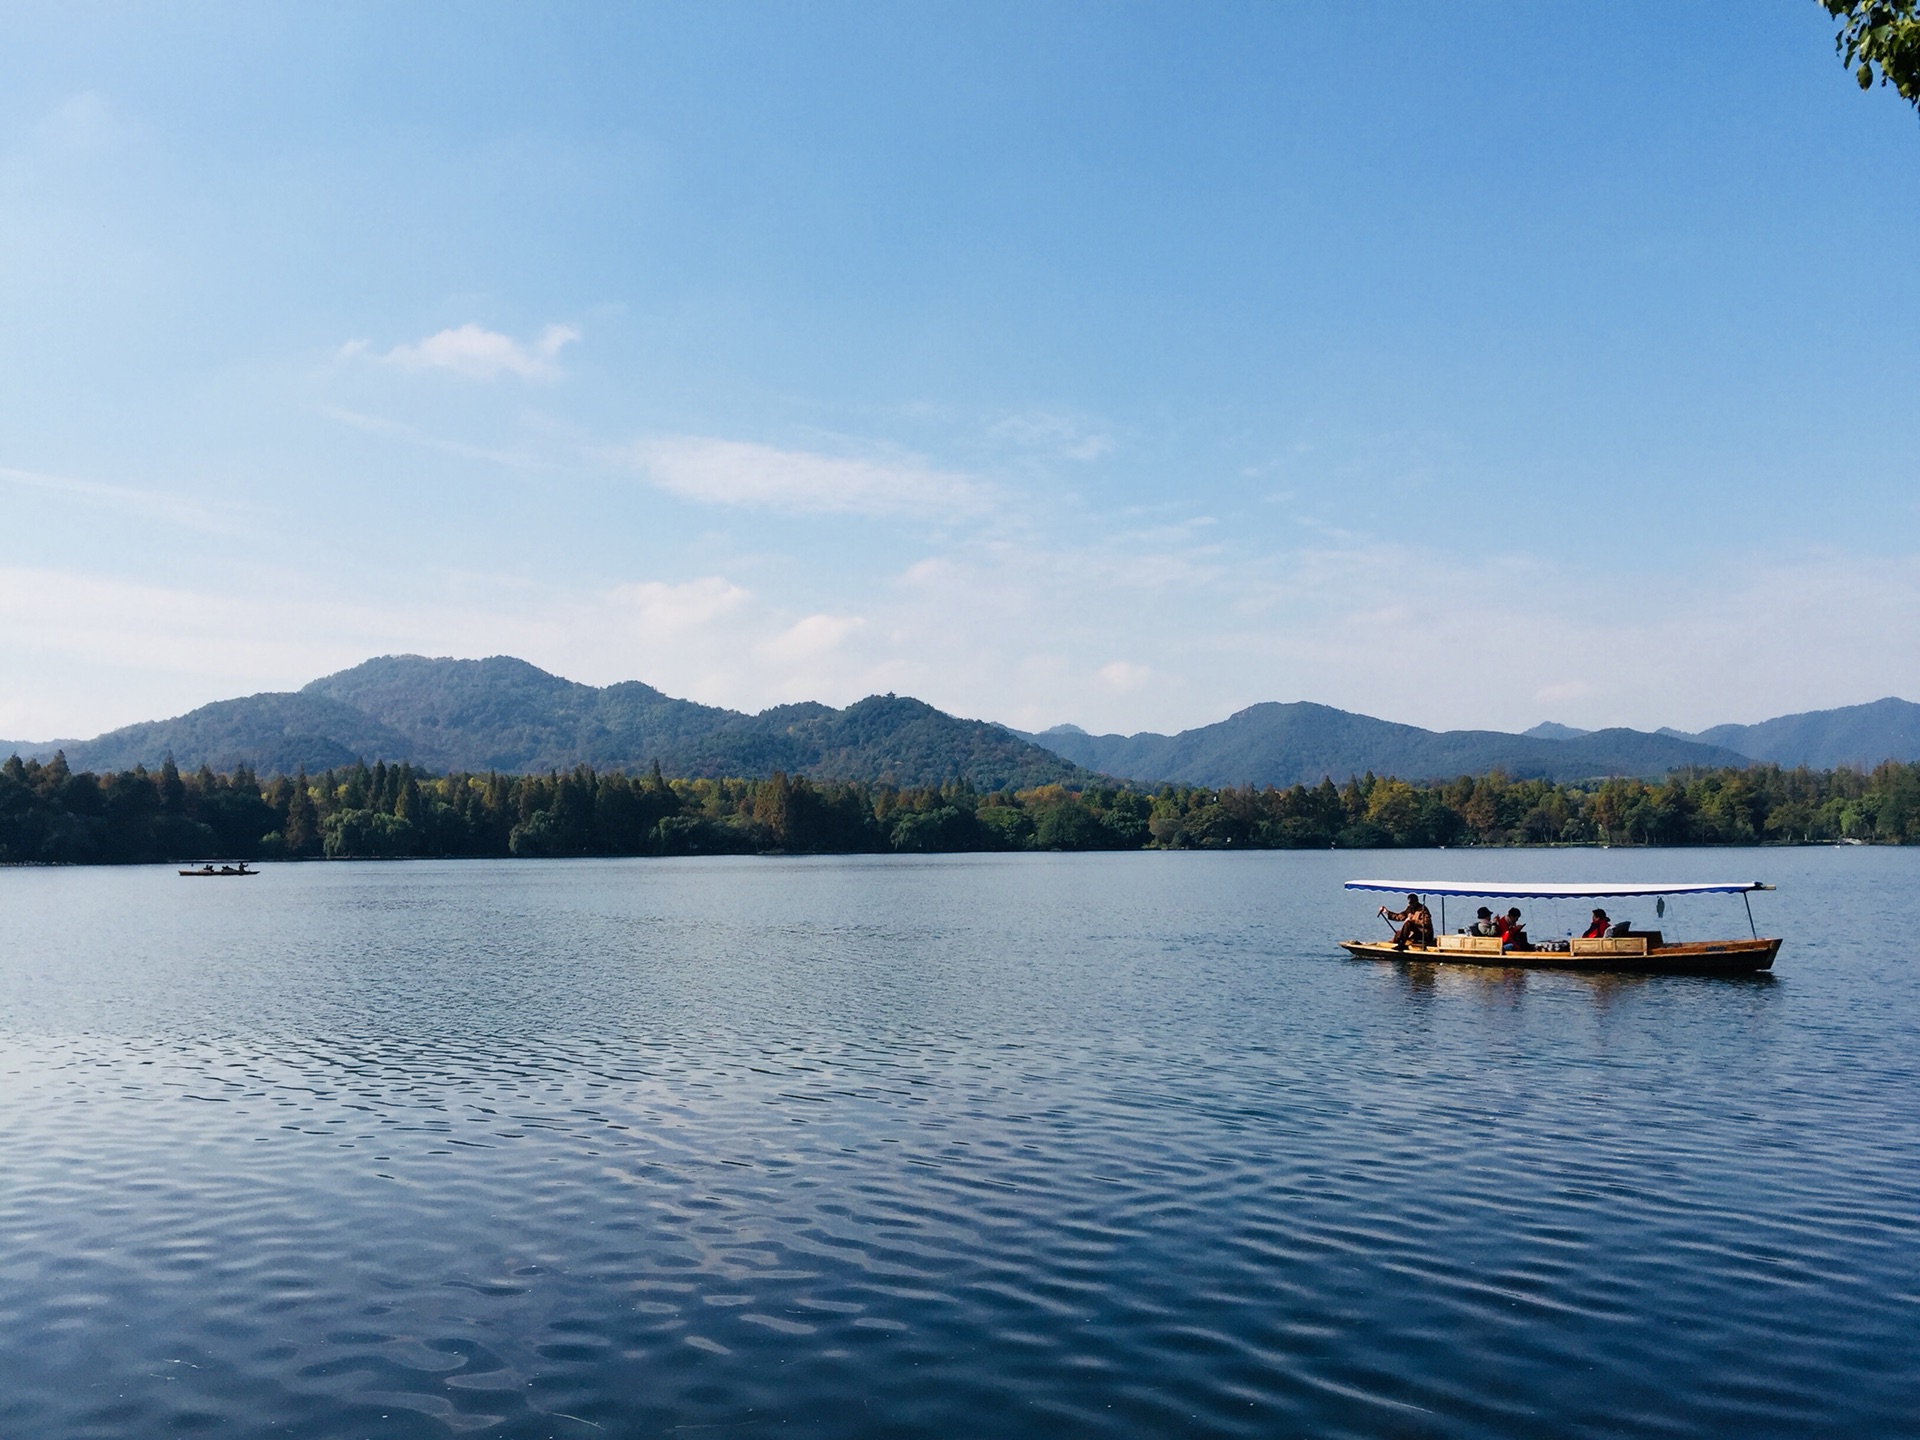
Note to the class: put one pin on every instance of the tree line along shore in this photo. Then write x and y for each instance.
(50, 814)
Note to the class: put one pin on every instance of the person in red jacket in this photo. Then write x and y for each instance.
(1598, 929)
(1513, 935)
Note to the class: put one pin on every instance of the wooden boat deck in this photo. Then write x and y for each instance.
(1700, 957)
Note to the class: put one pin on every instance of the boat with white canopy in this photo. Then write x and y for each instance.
(1620, 948)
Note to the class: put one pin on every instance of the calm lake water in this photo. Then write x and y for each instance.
(1024, 1145)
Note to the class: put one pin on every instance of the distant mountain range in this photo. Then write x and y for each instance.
(504, 714)
(1284, 744)
(1287, 744)
(1858, 735)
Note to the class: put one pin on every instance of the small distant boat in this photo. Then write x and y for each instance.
(208, 871)
(1642, 951)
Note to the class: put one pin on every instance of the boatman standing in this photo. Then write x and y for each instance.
(1415, 922)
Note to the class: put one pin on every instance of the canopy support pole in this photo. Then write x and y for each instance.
(1749, 904)
(1443, 914)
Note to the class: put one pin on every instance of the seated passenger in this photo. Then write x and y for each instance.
(1415, 922)
(1513, 934)
(1483, 923)
(1599, 926)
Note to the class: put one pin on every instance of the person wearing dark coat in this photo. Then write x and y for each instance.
(1415, 922)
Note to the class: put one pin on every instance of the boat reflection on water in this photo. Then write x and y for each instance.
(1432, 978)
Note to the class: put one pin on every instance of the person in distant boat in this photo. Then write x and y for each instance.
(1598, 929)
(1512, 932)
(1483, 923)
(1415, 922)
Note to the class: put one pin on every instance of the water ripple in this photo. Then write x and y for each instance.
(1075, 1146)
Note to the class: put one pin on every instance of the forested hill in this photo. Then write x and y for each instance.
(274, 734)
(1297, 744)
(506, 715)
(1857, 735)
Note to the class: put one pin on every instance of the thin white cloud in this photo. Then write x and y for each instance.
(658, 610)
(1029, 635)
(476, 353)
(1565, 693)
(86, 652)
(811, 639)
(1013, 632)
(412, 435)
(1056, 434)
(84, 123)
(740, 473)
(1123, 675)
(230, 518)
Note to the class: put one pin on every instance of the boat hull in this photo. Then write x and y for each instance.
(1705, 957)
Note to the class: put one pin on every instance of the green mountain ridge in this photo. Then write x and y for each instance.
(1857, 735)
(1289, 744)
(507, 715)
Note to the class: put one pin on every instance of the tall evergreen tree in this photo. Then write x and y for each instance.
(302, 833)
(354, 792)
(410, 807)
(173, 790)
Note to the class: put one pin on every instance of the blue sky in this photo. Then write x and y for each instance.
(1107, 363)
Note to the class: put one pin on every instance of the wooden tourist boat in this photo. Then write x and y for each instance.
(208, 872)
(1642, 951)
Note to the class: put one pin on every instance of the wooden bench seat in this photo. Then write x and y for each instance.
(1478, 944)
(1608, 945)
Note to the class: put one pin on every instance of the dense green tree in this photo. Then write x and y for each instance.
(301, 834)
(48, 813)
(173, 791)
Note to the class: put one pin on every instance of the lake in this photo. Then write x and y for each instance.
(1051, 1145)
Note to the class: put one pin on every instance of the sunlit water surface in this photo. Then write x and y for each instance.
(1037, 1145)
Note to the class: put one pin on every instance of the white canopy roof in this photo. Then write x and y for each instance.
(1534, 891)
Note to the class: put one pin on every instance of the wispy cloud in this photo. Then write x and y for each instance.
(1056, 434)
(412, 435)
(1027, 635)
(1124, 675)
(189, 513)
(662, 611)
(84, 123)
(810, 639)
(739, 473)
(476, 353)
(84, 652)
